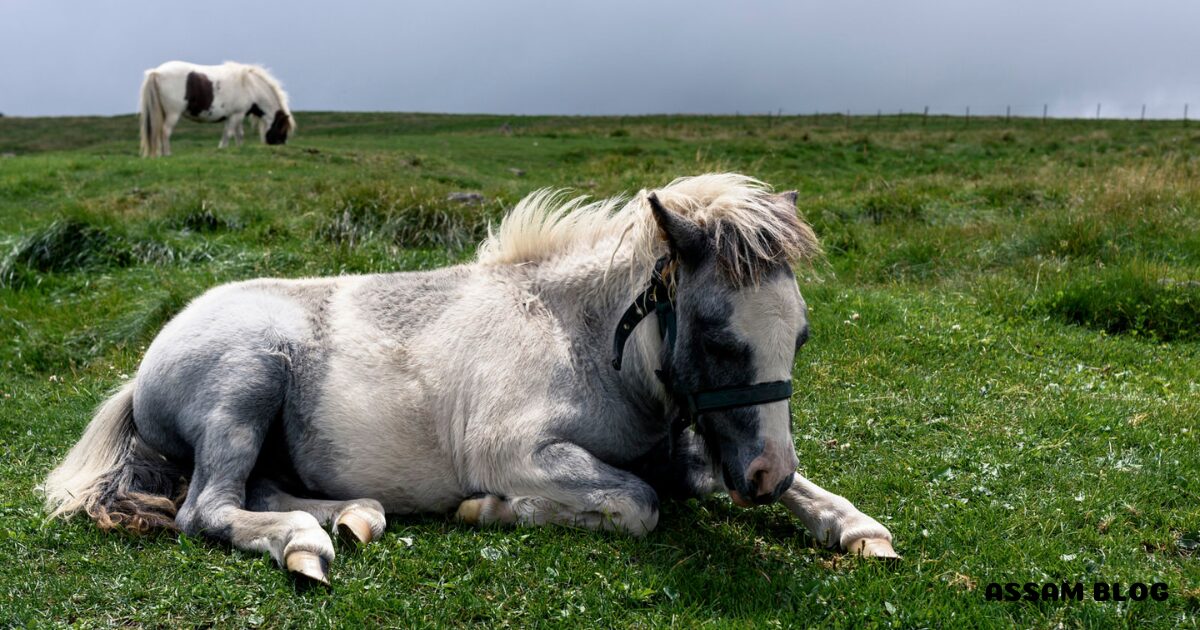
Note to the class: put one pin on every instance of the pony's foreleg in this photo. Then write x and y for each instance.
(239, 130)
(360, 520)
(566, 485)
(835, 522)
(233, 129)
(832, 520)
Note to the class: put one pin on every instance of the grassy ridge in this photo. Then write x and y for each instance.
(1004, 365)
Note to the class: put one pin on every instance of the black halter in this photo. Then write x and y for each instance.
(658, 298)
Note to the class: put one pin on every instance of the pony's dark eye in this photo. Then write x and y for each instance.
(802, 337)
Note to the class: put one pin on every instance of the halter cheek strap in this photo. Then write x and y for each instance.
(657, 298)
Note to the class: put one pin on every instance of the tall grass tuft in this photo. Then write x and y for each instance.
(74, 244)
(891, 203)
(1136, 298)
(63, 245)
(404, 218)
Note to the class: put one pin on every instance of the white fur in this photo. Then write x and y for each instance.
(104, 445)
(768, 315)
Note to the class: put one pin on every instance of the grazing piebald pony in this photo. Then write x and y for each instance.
(225, 93)
(593, 359)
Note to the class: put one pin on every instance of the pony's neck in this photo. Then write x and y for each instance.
(265, 96)
(597, 285)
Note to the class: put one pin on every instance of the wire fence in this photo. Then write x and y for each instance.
(925, 115)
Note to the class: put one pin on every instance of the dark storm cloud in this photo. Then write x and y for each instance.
(621, 56)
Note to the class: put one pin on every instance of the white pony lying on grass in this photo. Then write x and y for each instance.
(525, 387)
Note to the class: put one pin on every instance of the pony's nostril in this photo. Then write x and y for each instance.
(760, 481)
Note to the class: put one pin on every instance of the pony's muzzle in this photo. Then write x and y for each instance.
(769, 475)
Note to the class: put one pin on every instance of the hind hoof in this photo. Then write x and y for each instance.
(353, 526)
(308, 566)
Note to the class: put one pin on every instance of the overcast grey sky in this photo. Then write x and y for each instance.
(621, 56)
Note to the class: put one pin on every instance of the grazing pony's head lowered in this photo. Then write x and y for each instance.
(275, 120)
(728, 245)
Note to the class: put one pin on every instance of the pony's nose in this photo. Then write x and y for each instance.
(768, 478)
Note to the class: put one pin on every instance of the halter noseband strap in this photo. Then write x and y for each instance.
(658, 298)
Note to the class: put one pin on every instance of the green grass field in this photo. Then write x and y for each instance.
(1004, 368)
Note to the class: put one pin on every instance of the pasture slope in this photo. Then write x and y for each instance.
(1004, 369)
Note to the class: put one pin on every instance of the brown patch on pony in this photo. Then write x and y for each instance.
(199, 93)
(255, 110)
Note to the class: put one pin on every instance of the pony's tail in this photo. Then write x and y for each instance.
(114, 478)
(150, 117)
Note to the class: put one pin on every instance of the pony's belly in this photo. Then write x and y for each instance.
(208, 115)
(420, 495)
(375, 439)
(402, 485)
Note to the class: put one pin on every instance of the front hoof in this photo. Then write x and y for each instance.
(485, 510)
(872, 548)
(307, 567)
(359, 525)
(470, 510)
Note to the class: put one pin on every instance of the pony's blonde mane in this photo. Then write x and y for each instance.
(275, 86)
(753, 228)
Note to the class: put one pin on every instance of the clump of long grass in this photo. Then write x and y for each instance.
(890, 203)
(203, 219)
(1135, 210)
(67, 344)
(404, 218)
(1135, 298)
(75, 243)
(63, 245)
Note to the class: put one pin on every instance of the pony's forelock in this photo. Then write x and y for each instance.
(754, 229)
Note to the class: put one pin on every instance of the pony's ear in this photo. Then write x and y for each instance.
(686, 238)
(790, 196)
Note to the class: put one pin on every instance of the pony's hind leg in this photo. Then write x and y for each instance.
(569, 486)
(215, 502)
(169, 122)
(227, 434)
(358, 520)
